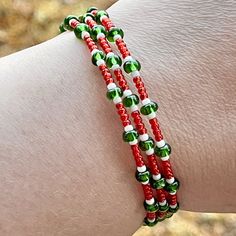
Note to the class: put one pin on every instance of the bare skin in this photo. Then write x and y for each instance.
(66, 171)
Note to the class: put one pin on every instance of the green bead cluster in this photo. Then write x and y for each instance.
(151, 208)
(172, 188)
(79, 29)
(114, 93)
(143, 177)
(130, 136)
(113, 60)
(100, 14)
(146, 145)
(131, 66)
(148, 223)
(163, 151)
(158, 184)
(99, 55)
(61, 28)
(149, 108)
(66, 21)
(131, 100)
(114, 31)
(174, 210)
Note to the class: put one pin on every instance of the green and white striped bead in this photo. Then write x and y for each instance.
(81, 30)
(98, 58)
(101, 14)
(130, 100)
(66, 22)
(163, 152)
(113, 61)
(114, 93)
(172, 185)
(130, 135)
(158, 183)
(98, 31)
(131, 65)
(114, 33)
(151, 205)
(149, 108)
(143, 177)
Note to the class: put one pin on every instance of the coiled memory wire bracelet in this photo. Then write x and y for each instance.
(96, 26)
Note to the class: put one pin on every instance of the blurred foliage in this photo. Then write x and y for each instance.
(25, 23)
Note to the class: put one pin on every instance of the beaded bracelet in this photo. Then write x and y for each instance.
(96, 26)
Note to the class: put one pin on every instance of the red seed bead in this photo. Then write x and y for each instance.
(137, 155)
(147, 191)
(160, 195)
(121, 79)
(139, 125)
(152, 161)
(151, 215)
(168, 174)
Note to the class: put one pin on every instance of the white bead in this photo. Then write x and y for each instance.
(126, 93)
(114, 67)
(141, 168)
(134, 108)
(135, 73)
(100, 62)
(111, 86)
(146, 101)
(117, 100)
(71, 21)
(117, 36)
(128, 128)
(166, 158)
(103, 17)
(162, 203)
(151, 115)
(110, 54)
(173, 206)
(94, 50)
(146, 182)
(156, 177)
(143, 137)
(171, 180)
(100, 35)
(133, 142)
(87, 18)
(160, 143)
(151, 220)
(150, 151)
(150, 202)
(172, 193)
(85, 33)
(128, 58)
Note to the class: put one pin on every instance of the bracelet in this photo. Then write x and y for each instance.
(96, 27)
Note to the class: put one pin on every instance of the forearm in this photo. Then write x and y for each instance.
(63, 163)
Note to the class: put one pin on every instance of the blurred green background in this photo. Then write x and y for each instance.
(25, 23)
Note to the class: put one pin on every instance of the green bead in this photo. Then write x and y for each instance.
(90, 9)
(129, 136)
(172, 188)
(85, 15)
(151, 208)
(164, 208)
(79, 29)
(113, 60)
(169, 214)
(99, 55)
(131, 66)
(146, 145)
(80, 18)
(131, 100)
(174, 210)
(114, 31)
(149, 108)
(99, 14)
(61, 28)
(67, 20)
(113, 93)
(163, 151)
(143, 177)
(146, 222)
(158, 184)
(96, 30)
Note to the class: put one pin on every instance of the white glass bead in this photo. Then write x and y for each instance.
(156, 177)
(128, 128)
(141, 168)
